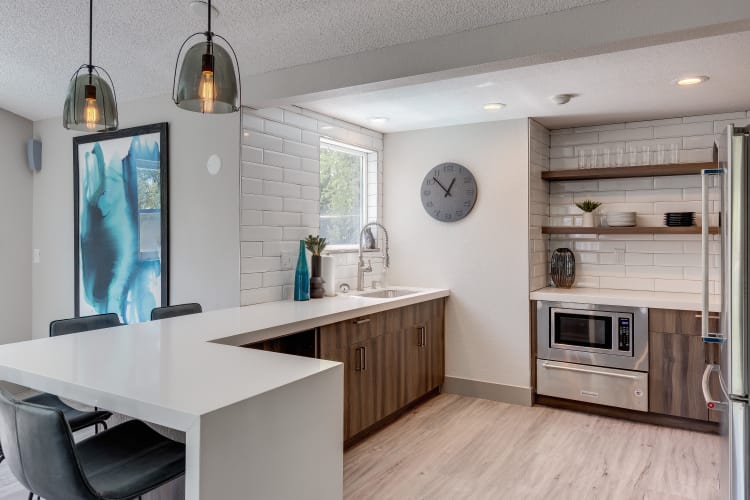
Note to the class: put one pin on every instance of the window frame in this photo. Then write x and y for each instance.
(363, 154)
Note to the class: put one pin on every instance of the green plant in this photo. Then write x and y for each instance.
(315, 244)
(588, 205)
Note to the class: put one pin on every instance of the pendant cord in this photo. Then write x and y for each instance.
(91, 31)
(209, 20)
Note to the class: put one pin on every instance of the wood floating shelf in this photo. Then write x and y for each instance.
(626, 230)
(627, 172)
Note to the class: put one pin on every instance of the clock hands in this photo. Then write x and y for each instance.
(448, 191)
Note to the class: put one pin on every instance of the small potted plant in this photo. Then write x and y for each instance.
(588, 207)
(316, 245)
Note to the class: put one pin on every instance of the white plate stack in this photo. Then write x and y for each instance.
(621, 219)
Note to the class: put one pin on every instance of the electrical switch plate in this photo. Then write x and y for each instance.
(35, 256)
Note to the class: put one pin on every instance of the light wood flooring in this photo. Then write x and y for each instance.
(455, 447)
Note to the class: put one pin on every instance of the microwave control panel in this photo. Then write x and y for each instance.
(623, 333)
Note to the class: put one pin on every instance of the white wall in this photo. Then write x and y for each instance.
(15, 229)
(483, 258)
(204, 210)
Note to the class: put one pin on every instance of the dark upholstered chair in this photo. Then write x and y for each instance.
(172, 311)
(77, 419)
(121, 463)
(83, 324)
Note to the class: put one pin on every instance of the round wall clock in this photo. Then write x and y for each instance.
(449, 192)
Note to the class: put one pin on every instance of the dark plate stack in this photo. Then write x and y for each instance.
(679, 219)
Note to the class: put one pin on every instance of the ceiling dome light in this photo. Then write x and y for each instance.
(90, 104)
(377, 120)
(209, 81)
(691, 80)
(493, 106)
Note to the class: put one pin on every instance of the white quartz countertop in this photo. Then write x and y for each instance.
(171, 371)
(628, 298)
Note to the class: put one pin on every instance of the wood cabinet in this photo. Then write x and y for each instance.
(390, 359)
(677, 360)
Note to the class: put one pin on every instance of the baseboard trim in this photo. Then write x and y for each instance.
(488, 390)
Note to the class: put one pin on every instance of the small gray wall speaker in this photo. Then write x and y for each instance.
(34, 154)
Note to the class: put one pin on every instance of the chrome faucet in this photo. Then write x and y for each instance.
(361, 268)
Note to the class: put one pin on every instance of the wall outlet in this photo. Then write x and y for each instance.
(35, 257)
(288, 261)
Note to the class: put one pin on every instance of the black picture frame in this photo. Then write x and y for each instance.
(134, 215)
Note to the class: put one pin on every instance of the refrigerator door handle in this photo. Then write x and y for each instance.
(707, 336)
(711, 403)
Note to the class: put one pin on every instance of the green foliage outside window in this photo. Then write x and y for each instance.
(340, 196)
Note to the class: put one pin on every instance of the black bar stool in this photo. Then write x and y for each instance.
(121, 463)
(178, 310)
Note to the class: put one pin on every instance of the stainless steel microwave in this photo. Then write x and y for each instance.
(599, 335)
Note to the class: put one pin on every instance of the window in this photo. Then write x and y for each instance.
(343, 192)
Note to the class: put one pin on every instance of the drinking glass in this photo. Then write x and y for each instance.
(619, 156)
(606, 158)
(632, 156)
(674, 156)
(592, 158)
(581, 158)
(661, 154)
(645, 155)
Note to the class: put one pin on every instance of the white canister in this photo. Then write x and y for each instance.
(328, 273)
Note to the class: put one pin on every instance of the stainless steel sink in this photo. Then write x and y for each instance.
(388, 293)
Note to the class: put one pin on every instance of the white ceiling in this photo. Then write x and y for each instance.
(619, 86)
(137, 41)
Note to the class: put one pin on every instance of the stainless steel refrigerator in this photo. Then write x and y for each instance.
(729, 346)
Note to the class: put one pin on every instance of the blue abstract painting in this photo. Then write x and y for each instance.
(121, 210)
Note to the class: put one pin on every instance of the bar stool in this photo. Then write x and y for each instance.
(178, 310)
(121, 463)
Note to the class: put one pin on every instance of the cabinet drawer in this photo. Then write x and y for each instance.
(681, 322)
(345, 333)
(593, 384)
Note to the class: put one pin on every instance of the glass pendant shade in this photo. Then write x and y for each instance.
(90, 104)
(207, 80)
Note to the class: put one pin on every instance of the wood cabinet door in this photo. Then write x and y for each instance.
(415, 362)
(677, 360)
(365, 362)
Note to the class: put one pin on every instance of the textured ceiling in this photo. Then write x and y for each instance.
(627, 85)
(137, 41)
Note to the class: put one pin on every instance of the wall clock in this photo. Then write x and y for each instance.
(449, 192)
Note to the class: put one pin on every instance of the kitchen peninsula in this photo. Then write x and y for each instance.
(257, 424)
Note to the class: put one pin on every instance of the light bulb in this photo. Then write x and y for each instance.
(90, 114)
(206, 91)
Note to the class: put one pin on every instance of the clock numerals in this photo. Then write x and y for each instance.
(429, 182)
(449, 168)
(467, 180)
(429, 204)
(436, 173)
(427, 192)
(469, 192)
(448, 216)
(437, 213)
(467, 203)
(459, 214)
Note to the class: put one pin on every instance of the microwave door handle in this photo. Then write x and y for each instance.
(706, 175)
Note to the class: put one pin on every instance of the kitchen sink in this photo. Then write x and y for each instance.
(388, 293)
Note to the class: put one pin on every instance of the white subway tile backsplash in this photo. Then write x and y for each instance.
(248, 281)
(262, 141)
(260, 264)
(619, 283)
(698, 141)
(655, 247)
(685, 129)
(260, 171)
(301, 177)
(281, 219)
(251, 249)
(251, 218)
(654, 272)
(679, 286)
(626, 184)
(260, 295)
(282, 189)
(625, 135)
(252, 154)
(311, 165)
(260, 233)
(252, 186)
(696, 155)
(300, 121)
(652, 195)
(677, 260)
(299, 205)
(281, 160)
(302, 150)
(574, 139)
(711, 118)
(310, 193)
(654, 123)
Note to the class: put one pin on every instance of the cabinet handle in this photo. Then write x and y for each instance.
(700, 316)
(421, 336)
(358, 364)
(362, 321)
(364, 358)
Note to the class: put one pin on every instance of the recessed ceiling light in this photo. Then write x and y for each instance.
(377, 120)
(326, 127)
(691, 80)
(485, 85)
(493, 106)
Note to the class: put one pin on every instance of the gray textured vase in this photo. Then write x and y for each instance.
(563, 269)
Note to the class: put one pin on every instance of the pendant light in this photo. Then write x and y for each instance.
(91, 104)
(208, 81)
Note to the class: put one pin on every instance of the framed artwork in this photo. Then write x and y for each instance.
(121, 187)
